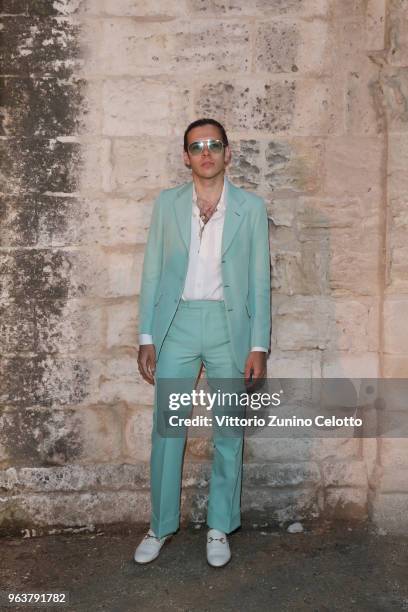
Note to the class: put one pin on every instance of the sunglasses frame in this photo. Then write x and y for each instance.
(206, 141)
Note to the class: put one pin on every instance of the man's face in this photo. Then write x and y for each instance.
(206, 164)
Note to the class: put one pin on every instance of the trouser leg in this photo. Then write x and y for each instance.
(179, 362)
(224, 504)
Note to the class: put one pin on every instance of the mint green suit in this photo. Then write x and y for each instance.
(217, 333)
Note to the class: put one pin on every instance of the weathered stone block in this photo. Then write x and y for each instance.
(127, 220)
(41, 436)
(138, 164)
(375, 24)
(283, 450)
(176, 46)
(96, 174)
(345, 249)
(38, 164)
(294, 166)
(285, 505)
(101, 432)
(248, 105)
(396, 366)
(354, 166)
(398, 28)
(395, 325)
(282, 211)
(137, 433)
(348, 8)
(335, 449)
(42, 106)
(123, 272)
(294, 364)
(245, 169)
(155, 10)
(346, 503)
(74, 510)
(73, 477)
(122, 324)
(394, 453)
(390, 511)
(392, 480)
(363, 112)
(71, 326)
(281, 475)
(299, 271)
(60, 221)
(18, 217)
(135, 106)
(44, 380)
(345, 474)
(45, 8)
(17, 326)
(297, 46)
(35, 45)
(315, 215)
(43, 274)
(120, 381)
(344, 364)
(350, 326)
(36, 437)
(319, 109)
(302, 323)
(394, 83)
(257, 8)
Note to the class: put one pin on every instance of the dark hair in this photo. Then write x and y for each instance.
(201, 122)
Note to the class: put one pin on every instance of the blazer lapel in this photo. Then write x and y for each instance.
(183, 211)
(234, 215)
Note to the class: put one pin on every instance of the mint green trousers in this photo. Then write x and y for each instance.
(198, 333)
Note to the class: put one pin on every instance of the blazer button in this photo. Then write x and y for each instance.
(226, 285)
(222, 260)
(229, 309)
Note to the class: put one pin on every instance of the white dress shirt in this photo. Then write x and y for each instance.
(204, 278)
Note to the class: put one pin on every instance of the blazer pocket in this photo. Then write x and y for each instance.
(158, 299)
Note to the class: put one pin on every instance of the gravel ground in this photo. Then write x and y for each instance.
(343, 566)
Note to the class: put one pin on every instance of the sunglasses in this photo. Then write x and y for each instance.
(214, 146)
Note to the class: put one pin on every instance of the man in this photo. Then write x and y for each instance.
(205, 298)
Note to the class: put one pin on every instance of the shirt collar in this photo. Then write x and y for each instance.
(221, 204)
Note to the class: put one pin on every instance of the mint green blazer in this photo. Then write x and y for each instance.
(245, 267)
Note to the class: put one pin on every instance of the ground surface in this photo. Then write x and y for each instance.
(325, 568)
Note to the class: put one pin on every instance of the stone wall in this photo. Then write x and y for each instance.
(96, 96)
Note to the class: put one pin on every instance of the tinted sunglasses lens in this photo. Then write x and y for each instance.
(196, 148)
(215, 146)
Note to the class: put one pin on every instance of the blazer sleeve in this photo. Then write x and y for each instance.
(152, 267)
(260, 279)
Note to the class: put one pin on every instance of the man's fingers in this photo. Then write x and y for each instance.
(147, 365)
(151, 367)
(143, 370)
(259, 372)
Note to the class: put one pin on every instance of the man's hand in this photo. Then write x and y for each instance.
(146, 361)
(255, 365)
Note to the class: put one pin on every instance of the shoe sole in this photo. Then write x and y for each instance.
(169, 538)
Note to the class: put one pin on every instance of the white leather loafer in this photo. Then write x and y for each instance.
(218, 550)
(149, 548)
